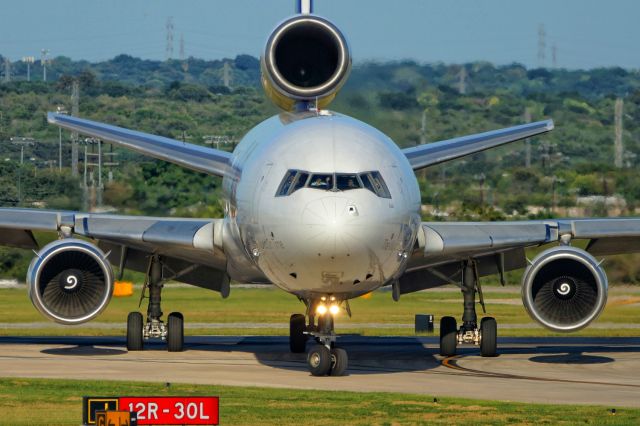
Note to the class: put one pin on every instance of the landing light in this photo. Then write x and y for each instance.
(334, 309)
(321, 309)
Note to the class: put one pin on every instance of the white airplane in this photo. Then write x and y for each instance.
(321, 205)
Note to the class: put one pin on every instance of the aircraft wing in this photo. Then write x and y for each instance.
(129, 240)
(499, 246)
(426, 155)
(195, 157)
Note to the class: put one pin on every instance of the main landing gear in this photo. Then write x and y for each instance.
(172, 332)
(323, 357)
(484, 336)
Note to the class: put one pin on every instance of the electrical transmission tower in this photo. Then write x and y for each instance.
(462, 80)
(7, 70)
(44, 60)
(185, 64)
(226, 75)
(542, 45)
(554, 55)
(527, 153)
(181, 46)
(169, 48)
(618, 146)
(75, 110)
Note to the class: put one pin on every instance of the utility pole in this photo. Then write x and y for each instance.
(542, 45)
(43, 61)
(527, 152)
(423, 128)
(169, 47)
(60, 110)
(618, 146)
(462, 80)
(75, 109)
(22, 142)
(226, 75)
(554, 55)
(28, 60)
(7, 70)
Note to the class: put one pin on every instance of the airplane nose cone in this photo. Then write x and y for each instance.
(330, 212)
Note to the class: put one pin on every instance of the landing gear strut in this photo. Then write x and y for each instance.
(172, 332)
(323, 358)
(484, 336)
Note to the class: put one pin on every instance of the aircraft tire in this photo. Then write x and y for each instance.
(319, 360)
(489, 335)
(339, 362)
(448, 336)
(175, 332)
(134, 332)
(297, 338)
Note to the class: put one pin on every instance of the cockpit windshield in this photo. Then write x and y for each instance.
(296, 179)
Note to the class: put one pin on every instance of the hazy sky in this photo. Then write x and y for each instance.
(587, 33)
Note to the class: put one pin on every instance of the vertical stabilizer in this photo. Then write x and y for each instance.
(304, 7)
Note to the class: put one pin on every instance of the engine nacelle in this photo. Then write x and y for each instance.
(564, 289)
(70, 281)
(306, 59)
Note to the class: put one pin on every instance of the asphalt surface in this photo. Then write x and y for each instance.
(601, 371)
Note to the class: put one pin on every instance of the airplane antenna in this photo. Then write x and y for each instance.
(304, 7)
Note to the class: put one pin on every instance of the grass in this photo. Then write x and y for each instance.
(59, 402)
(273, 306)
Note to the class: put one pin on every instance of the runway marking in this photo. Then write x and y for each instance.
(452, 362)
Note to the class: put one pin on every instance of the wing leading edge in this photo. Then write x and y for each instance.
(194, 157)
(422, 156)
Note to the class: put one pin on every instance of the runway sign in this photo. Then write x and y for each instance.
(115, 418)
(154, 410)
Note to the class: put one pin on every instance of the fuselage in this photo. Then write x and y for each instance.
(321, 203)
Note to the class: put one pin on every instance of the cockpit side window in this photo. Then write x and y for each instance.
(373, 182)
(287, 183)
(345, 182)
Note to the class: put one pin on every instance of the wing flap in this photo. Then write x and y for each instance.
(422, 156)
(194, 157)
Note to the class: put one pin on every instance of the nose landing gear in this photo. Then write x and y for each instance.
(323, 358)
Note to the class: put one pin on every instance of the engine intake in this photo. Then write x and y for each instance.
(306, 59)
(70, 281)
(564, 289)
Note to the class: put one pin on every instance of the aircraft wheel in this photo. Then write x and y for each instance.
(448, 336)
(319, 360)
(175, 332)
(489, 337)
(297, 338)
(339, 362)
(134, 331)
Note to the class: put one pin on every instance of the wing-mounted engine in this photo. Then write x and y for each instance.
(70, 281)
(306, 59)
(564, 289)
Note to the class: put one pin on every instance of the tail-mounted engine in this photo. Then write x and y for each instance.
(564, 289)
(70, 281)
(306, 59)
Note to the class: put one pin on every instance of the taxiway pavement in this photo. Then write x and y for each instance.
(601, 371)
